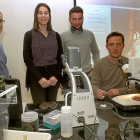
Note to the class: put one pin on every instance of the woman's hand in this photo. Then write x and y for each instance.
(44, 83)
(52, 81)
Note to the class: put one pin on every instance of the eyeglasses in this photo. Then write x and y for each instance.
(113, 44)
(1, 20)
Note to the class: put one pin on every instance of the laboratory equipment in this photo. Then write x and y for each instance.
(52, 119)
(66, 121)
(79, 86)
(127, 102)
(4, 116)
(18, 135)
(12, 85)
(29, 121)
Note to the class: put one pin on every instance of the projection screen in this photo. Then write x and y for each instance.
(104, 16)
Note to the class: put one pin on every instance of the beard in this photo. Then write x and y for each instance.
(76, 28)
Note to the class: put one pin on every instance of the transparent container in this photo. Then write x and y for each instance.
(4, 116)
(66, 122)
(30, 121)
(52, 119)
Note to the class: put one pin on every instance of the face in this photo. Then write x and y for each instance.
(76, 20)
(115, 46)
(1, 23)
(43, 15)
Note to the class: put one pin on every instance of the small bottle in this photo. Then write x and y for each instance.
(66, 122)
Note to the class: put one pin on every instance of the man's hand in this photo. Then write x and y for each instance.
(112, 93)
(100, 94)
(90, 73)
(53, 81)
(44, 83)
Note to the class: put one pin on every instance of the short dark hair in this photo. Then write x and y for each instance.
(75, 9)
(36, 24)
(116, 33)
(1, 13)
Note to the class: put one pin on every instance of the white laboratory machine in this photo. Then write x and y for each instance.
(82, 98)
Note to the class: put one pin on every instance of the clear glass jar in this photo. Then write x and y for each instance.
(30, 121)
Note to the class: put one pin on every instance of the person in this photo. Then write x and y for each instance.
(108, 77)
(82, 38)
(42, 56)
(4, 73)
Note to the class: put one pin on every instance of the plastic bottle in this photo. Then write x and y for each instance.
(66, 121)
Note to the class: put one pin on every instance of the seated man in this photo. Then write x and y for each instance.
(108, 77)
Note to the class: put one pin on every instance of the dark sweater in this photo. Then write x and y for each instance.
(86, 42)
(44, 49)
(107, 75)
(28, 58)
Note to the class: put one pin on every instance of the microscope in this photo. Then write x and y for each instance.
(80, 89)
(130, 101)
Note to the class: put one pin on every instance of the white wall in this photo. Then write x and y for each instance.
(18, 15)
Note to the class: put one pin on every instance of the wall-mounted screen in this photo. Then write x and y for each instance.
(104, 16)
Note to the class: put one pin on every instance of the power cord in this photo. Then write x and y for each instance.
(125, 128)
(96, 116)
(116, 112)
(89, 129)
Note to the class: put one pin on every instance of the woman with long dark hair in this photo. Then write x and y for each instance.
(42, 56)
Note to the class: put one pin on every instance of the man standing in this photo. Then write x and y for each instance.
(79, 37)
(3, 59)
(108, 77)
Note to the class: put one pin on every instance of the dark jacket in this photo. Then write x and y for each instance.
(28, 59)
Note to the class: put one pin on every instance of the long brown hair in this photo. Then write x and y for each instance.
(36, 24)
